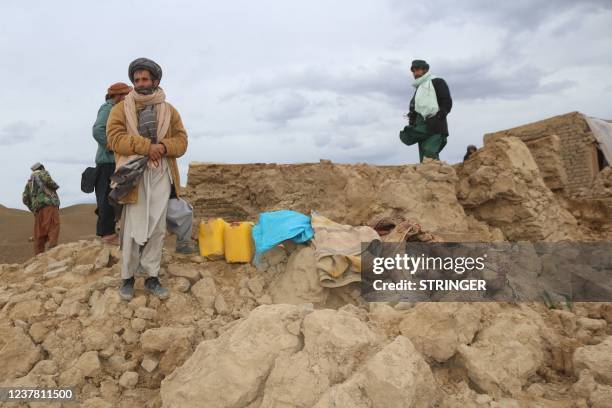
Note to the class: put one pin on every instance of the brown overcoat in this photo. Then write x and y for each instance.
(124, 144)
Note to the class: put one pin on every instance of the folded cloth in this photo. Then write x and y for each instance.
(126, 177)
(338, 250)
(275, 227)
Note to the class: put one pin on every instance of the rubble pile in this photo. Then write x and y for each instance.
(269, 335)
(502, 186)
(271, 338)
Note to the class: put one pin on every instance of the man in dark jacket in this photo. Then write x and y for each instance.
(105, 165)
(471, 149)
(430, 105)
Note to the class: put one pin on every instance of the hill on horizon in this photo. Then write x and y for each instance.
(76, 222)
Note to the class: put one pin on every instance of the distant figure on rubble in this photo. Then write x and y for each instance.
(471, 149)
(430, 105)
(144, 124)
(105, 165)
(40, 196)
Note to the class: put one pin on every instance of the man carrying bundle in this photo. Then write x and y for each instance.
(430, 105)
(144, 124)
(40, 196)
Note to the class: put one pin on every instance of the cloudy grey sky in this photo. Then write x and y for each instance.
(289, 81)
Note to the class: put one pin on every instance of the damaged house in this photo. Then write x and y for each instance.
(570, 149)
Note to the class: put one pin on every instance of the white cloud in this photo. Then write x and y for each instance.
(280, 108)
(18, 132)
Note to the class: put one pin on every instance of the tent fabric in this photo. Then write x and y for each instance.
(338, 250)
(275, 227)
(602, 131)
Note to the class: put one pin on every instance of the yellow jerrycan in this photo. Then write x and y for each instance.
(211, 238)
(239, 246)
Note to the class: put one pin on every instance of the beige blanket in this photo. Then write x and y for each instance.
(338, 250)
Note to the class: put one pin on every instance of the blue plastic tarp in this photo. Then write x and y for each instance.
(275, 227)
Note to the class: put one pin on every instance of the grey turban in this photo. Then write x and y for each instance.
(36, 166)
(145, 63)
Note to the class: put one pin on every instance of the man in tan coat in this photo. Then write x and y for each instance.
(145, 124)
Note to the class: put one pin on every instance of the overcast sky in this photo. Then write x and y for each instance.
(291, 81)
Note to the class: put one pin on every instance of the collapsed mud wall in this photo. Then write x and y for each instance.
(546, 152)
(499, 193)
(502, 185)
(577, 148)
(347, 193)
(592, 205)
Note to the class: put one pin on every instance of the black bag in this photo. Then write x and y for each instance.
(88, 179)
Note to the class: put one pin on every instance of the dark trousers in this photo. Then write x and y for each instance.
(429, 145)
(106, 214)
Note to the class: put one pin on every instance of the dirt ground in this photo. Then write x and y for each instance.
(77, 222)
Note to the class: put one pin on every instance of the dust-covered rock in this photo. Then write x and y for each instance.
(163, 338)
(601, 397)
(205, 292)
(500, 363)
(334, 344)
(239, 360)
(186, 271)
(18, 353)
(597, 359)
(128, 379)
(86, 366)
(438, 329)
(299, 283)
(397, 376)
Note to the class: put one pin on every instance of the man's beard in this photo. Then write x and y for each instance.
(146, 91)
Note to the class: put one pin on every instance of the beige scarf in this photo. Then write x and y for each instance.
(133, 99)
